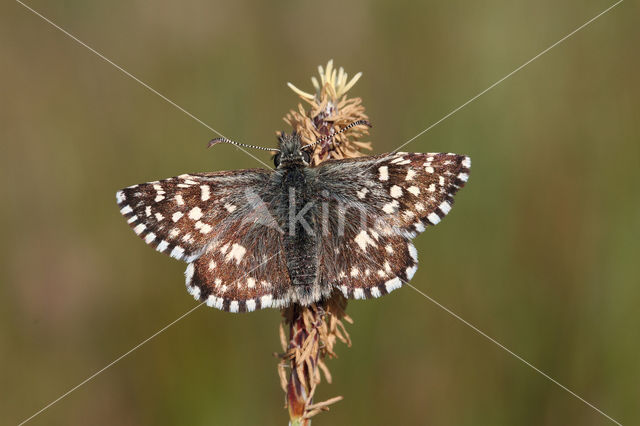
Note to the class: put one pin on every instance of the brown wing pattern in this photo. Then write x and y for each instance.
(242, 273)
(386, 201)
(218, 224)
(177, 216)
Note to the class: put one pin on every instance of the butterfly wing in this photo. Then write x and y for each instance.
(218, 224)
(385, 201)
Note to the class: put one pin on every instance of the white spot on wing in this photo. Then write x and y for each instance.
(358, 293)
(395, 191)
(445, 207)
(211, 301)
(393, 284)
(188, 273)
(266, 301)
(204, 228)
(384, 173)
(466, 162)
(159, 217)
(195, 213)
(194, 291)
(434, 218)
(162, 246)
(375, 292)
(126, 210)
(412, 251)
(120, 197)
(219, 302)
(251, 305)
(237, 253)
(149, 238)
(177, 252)
(230, 207)
(390, 207)
(414, 190)
(179, 200)
(463, 177)
(139, 228)
(410, 174)
(411, 271)
(205, 192)
(176, 216)
(233, 306)
(363, 239)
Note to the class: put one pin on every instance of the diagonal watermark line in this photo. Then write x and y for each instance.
(142, 83)
(130, 351)
(504, 348)
(510, 352)
(115, 361)
(401, 146)
(508, 75)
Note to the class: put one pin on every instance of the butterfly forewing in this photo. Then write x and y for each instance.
(387, 200)
(179, 215)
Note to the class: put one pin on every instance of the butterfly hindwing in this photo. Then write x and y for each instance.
(241, 270)
(386, 201)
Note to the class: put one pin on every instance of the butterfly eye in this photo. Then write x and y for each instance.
(306, 157)
(276, 159)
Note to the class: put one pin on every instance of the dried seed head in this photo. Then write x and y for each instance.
(330, 110)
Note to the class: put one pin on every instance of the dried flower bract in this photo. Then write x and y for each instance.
(329, 110)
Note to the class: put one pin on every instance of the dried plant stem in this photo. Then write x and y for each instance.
(314, 330)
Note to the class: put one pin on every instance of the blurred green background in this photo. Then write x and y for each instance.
(541, 251)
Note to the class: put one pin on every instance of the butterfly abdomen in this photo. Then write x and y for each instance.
(300, 236)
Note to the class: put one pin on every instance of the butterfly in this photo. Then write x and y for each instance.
(259, 238)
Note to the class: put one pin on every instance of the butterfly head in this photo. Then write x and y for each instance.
(291, 152)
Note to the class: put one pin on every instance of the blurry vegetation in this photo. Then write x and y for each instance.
(540, 252)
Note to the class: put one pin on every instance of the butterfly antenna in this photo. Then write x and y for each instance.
(216, 141)
(344, 129)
